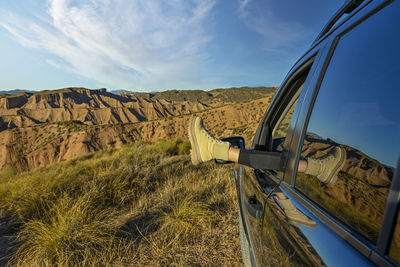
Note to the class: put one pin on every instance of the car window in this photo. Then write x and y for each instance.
(351, 144)
(281, 128)
(286, 112)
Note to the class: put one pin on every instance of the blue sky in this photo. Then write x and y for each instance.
(154, 45)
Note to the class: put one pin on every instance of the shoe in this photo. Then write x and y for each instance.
(294, 216)
(205, 146)
(326, 169)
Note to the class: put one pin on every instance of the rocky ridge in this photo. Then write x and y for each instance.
(37, 129)
(91, 107)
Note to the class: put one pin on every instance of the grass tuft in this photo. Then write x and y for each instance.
(70, 232)
(184, 216)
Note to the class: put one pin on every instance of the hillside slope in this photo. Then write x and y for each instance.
(144, 204)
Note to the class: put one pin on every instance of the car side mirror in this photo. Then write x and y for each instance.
(235, 141)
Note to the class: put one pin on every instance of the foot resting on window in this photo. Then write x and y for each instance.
(205, 146)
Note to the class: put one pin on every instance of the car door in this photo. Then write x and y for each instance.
(276, 245)
(347, 102)
(354, 109)
(256, 185)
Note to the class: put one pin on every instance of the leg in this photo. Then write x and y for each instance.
(233, 154)
(326, 169)
(302, 166)
(206, 147)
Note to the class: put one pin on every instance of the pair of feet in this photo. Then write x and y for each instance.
(205, 147)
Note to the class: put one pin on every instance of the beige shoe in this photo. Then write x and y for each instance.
(327, 168)
(294, 216)
(205, 146)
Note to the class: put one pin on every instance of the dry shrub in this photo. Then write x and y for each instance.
(72, 231)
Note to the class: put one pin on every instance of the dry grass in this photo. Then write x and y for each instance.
(144, 204)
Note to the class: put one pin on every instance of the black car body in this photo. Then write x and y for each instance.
(344, 91)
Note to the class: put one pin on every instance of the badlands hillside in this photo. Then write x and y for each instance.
(37, 129)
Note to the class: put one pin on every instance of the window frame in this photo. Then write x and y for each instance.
(289, 105)
(350, 7)
(377, 253)
(285, 94)
(389, 222)
(264, 131)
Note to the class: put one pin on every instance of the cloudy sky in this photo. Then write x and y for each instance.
(154, 45)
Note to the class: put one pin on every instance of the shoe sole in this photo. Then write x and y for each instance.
(194, 152)
(331, 181)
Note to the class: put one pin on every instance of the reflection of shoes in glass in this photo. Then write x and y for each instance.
(327, 168)
(294, 216)
(205, 146)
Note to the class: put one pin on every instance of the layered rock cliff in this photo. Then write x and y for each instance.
(41, 128)
(92, 107)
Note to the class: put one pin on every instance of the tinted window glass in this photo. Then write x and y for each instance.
(281, 128)
(352, 140)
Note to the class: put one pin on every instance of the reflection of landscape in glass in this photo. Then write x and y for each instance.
(359, 196)
(357, 103)
(394, 251)
(283, 244)
(283, 126)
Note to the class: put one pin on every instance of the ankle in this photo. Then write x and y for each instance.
(220, 150)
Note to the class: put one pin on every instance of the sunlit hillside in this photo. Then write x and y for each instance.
(37, 129)
(144, 204)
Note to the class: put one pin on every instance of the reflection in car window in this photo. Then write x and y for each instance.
(282, 126)
(352, 139)
(394, 251)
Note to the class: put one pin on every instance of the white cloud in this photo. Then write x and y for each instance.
(278, 34)
(121, 43)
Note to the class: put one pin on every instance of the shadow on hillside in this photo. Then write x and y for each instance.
(220, 206)
(140, 227)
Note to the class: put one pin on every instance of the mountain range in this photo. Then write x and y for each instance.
(40, 128)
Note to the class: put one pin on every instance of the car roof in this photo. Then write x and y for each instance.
(347, 8)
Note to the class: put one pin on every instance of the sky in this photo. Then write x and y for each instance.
(155, 45)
